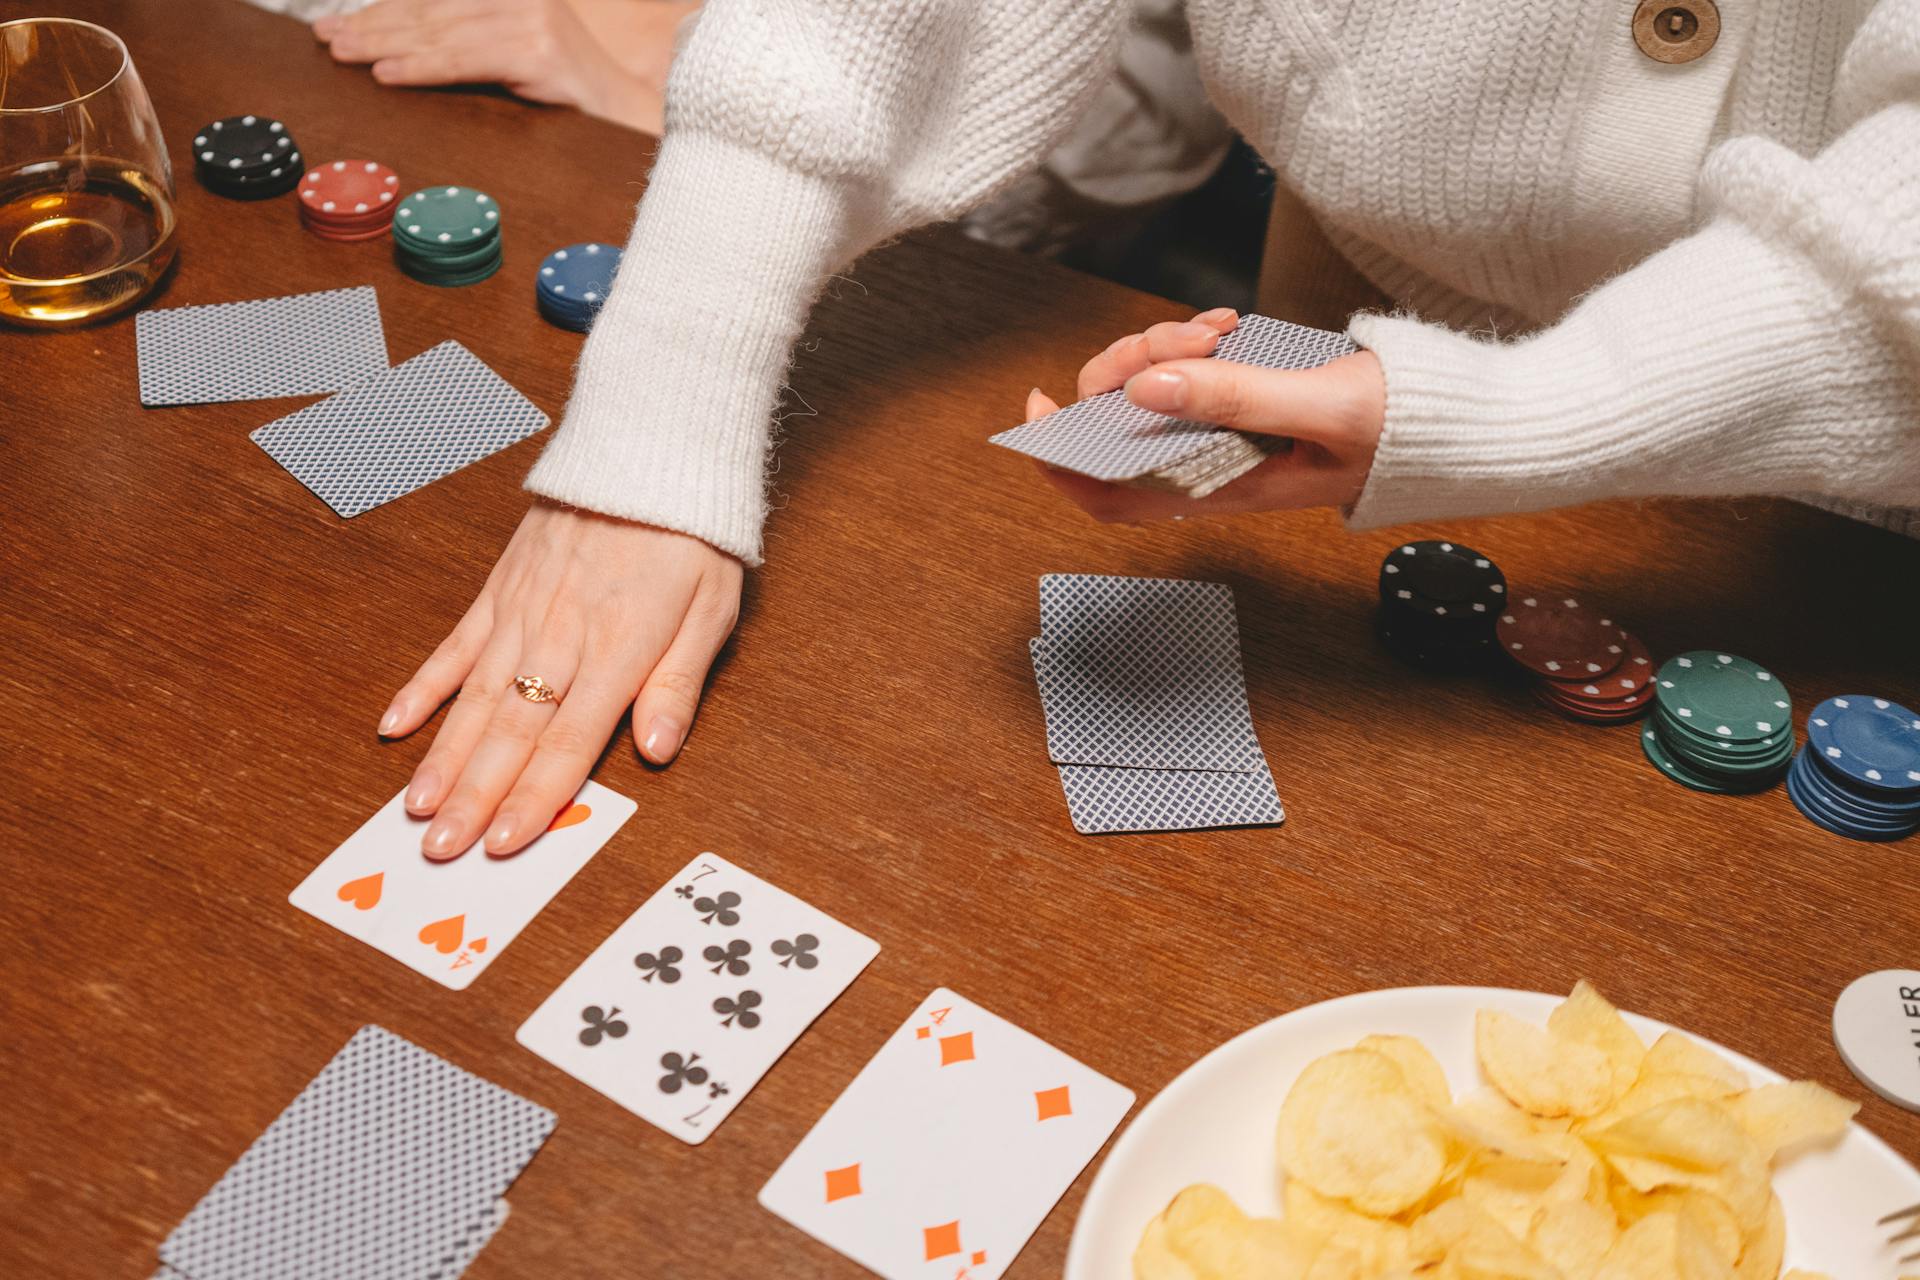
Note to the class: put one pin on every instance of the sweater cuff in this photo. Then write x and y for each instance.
(669, 422)
(1722, 365)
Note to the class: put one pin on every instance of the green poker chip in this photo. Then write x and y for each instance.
(449, 279)
(1722, 697)
(1688, 775)
(459, 217)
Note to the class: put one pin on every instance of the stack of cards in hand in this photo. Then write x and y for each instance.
(1108, 437)
(393, 1164)
(387, 432)
(1146, 706)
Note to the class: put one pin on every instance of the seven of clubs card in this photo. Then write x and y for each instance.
(949, 1148)
(448, 920)
(685, 1006)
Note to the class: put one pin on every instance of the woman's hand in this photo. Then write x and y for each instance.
(538, 49)
(1330, 420)
(612, 615)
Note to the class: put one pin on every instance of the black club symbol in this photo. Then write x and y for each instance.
(716, 1090)
(660, 965)
(740, 1007)
(680, 1071)
(799, 952)
(720, 908)
(685, 891)
(731, 957)
(600, 1022)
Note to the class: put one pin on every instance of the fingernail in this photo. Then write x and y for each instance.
(440, 839)
(389, 720)
(424, 789)
(1160, 389)
(663, 739)
(502, 834)
(1216, 315)
(1194, 329)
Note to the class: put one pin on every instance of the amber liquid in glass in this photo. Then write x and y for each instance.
(80, 240)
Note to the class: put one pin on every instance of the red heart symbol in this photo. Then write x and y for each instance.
(363, 893)
(478, 944)
(444, 935)
(570, 817)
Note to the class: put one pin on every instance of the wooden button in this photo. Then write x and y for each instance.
(1669, 32)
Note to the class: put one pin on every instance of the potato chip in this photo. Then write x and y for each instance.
(1417, 1064)
(1203, 1235)
(1351, 1128)
(1708, 1213)
(1674, 1054)
(1380, 1244)
(1652, 1090)
(1763, 1250)
(1542, 1073)
(1575, 1236)
(1690, 1142)
(1779, 1116)
(1586, 1018)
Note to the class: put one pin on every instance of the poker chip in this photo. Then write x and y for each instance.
(573, 281)
(1437, 605)
(1559, 639)
(1720, 723)
(1859, 773)
(447, 236)
(249, 157)
(1611, 697)
(349, 200)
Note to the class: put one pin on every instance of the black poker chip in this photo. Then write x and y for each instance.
(249, 157)
(1438, 603)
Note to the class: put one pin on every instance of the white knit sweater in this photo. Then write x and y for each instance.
(1716, 265)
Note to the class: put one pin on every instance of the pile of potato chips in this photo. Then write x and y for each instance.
(1598, 1158)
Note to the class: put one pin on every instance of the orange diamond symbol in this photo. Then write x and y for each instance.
(942, 1240)
(979, 1256)
(1053, 1102)
(956, 1048)
(842, 1183)
(922, 1033)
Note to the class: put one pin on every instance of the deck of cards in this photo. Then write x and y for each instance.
(1146, 706)
(1108, 437)
(393, 1164)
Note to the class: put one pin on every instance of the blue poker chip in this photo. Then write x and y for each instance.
(1817, 811)
(572, 282)
(1869, 741)
(1857, 807)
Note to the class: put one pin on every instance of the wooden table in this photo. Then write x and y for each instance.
(198, 650)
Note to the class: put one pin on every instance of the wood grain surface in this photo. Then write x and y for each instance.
(197, 651)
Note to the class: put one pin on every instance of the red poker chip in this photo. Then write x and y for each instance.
(347, 190)
(1632, 674)
(349, 237)
(1631, 708)
(1559, 639)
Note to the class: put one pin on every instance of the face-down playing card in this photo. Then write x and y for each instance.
(256, 350)
(1108, 437)
(1142, 673)
(449, 920)
(389, 434)
(389, 1165)
(949, 1148)
(684, 1007)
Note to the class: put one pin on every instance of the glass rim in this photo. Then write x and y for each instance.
(126, 60)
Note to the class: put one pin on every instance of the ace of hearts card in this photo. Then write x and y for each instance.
(949, 1148)
(449, 920)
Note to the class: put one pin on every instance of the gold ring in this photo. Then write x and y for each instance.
(534, 689)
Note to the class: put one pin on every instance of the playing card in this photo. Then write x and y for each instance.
(449, 920)
(1110, 438)
(454, 1263)
(1142, 673)
(683, 1008)
(408, 426)
(390, 1165)
(289, 346)
(949, 1148)
(1100, 799)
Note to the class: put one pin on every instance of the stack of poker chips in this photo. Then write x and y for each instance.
(349, 200)
(1859, 774)
(1438, 601)
(573, 282)
(1583, 665)
(246, 157)
(1720, 723)
(447, 236)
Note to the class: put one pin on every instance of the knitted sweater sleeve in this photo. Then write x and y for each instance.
(799, 134)
(1774, 351)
